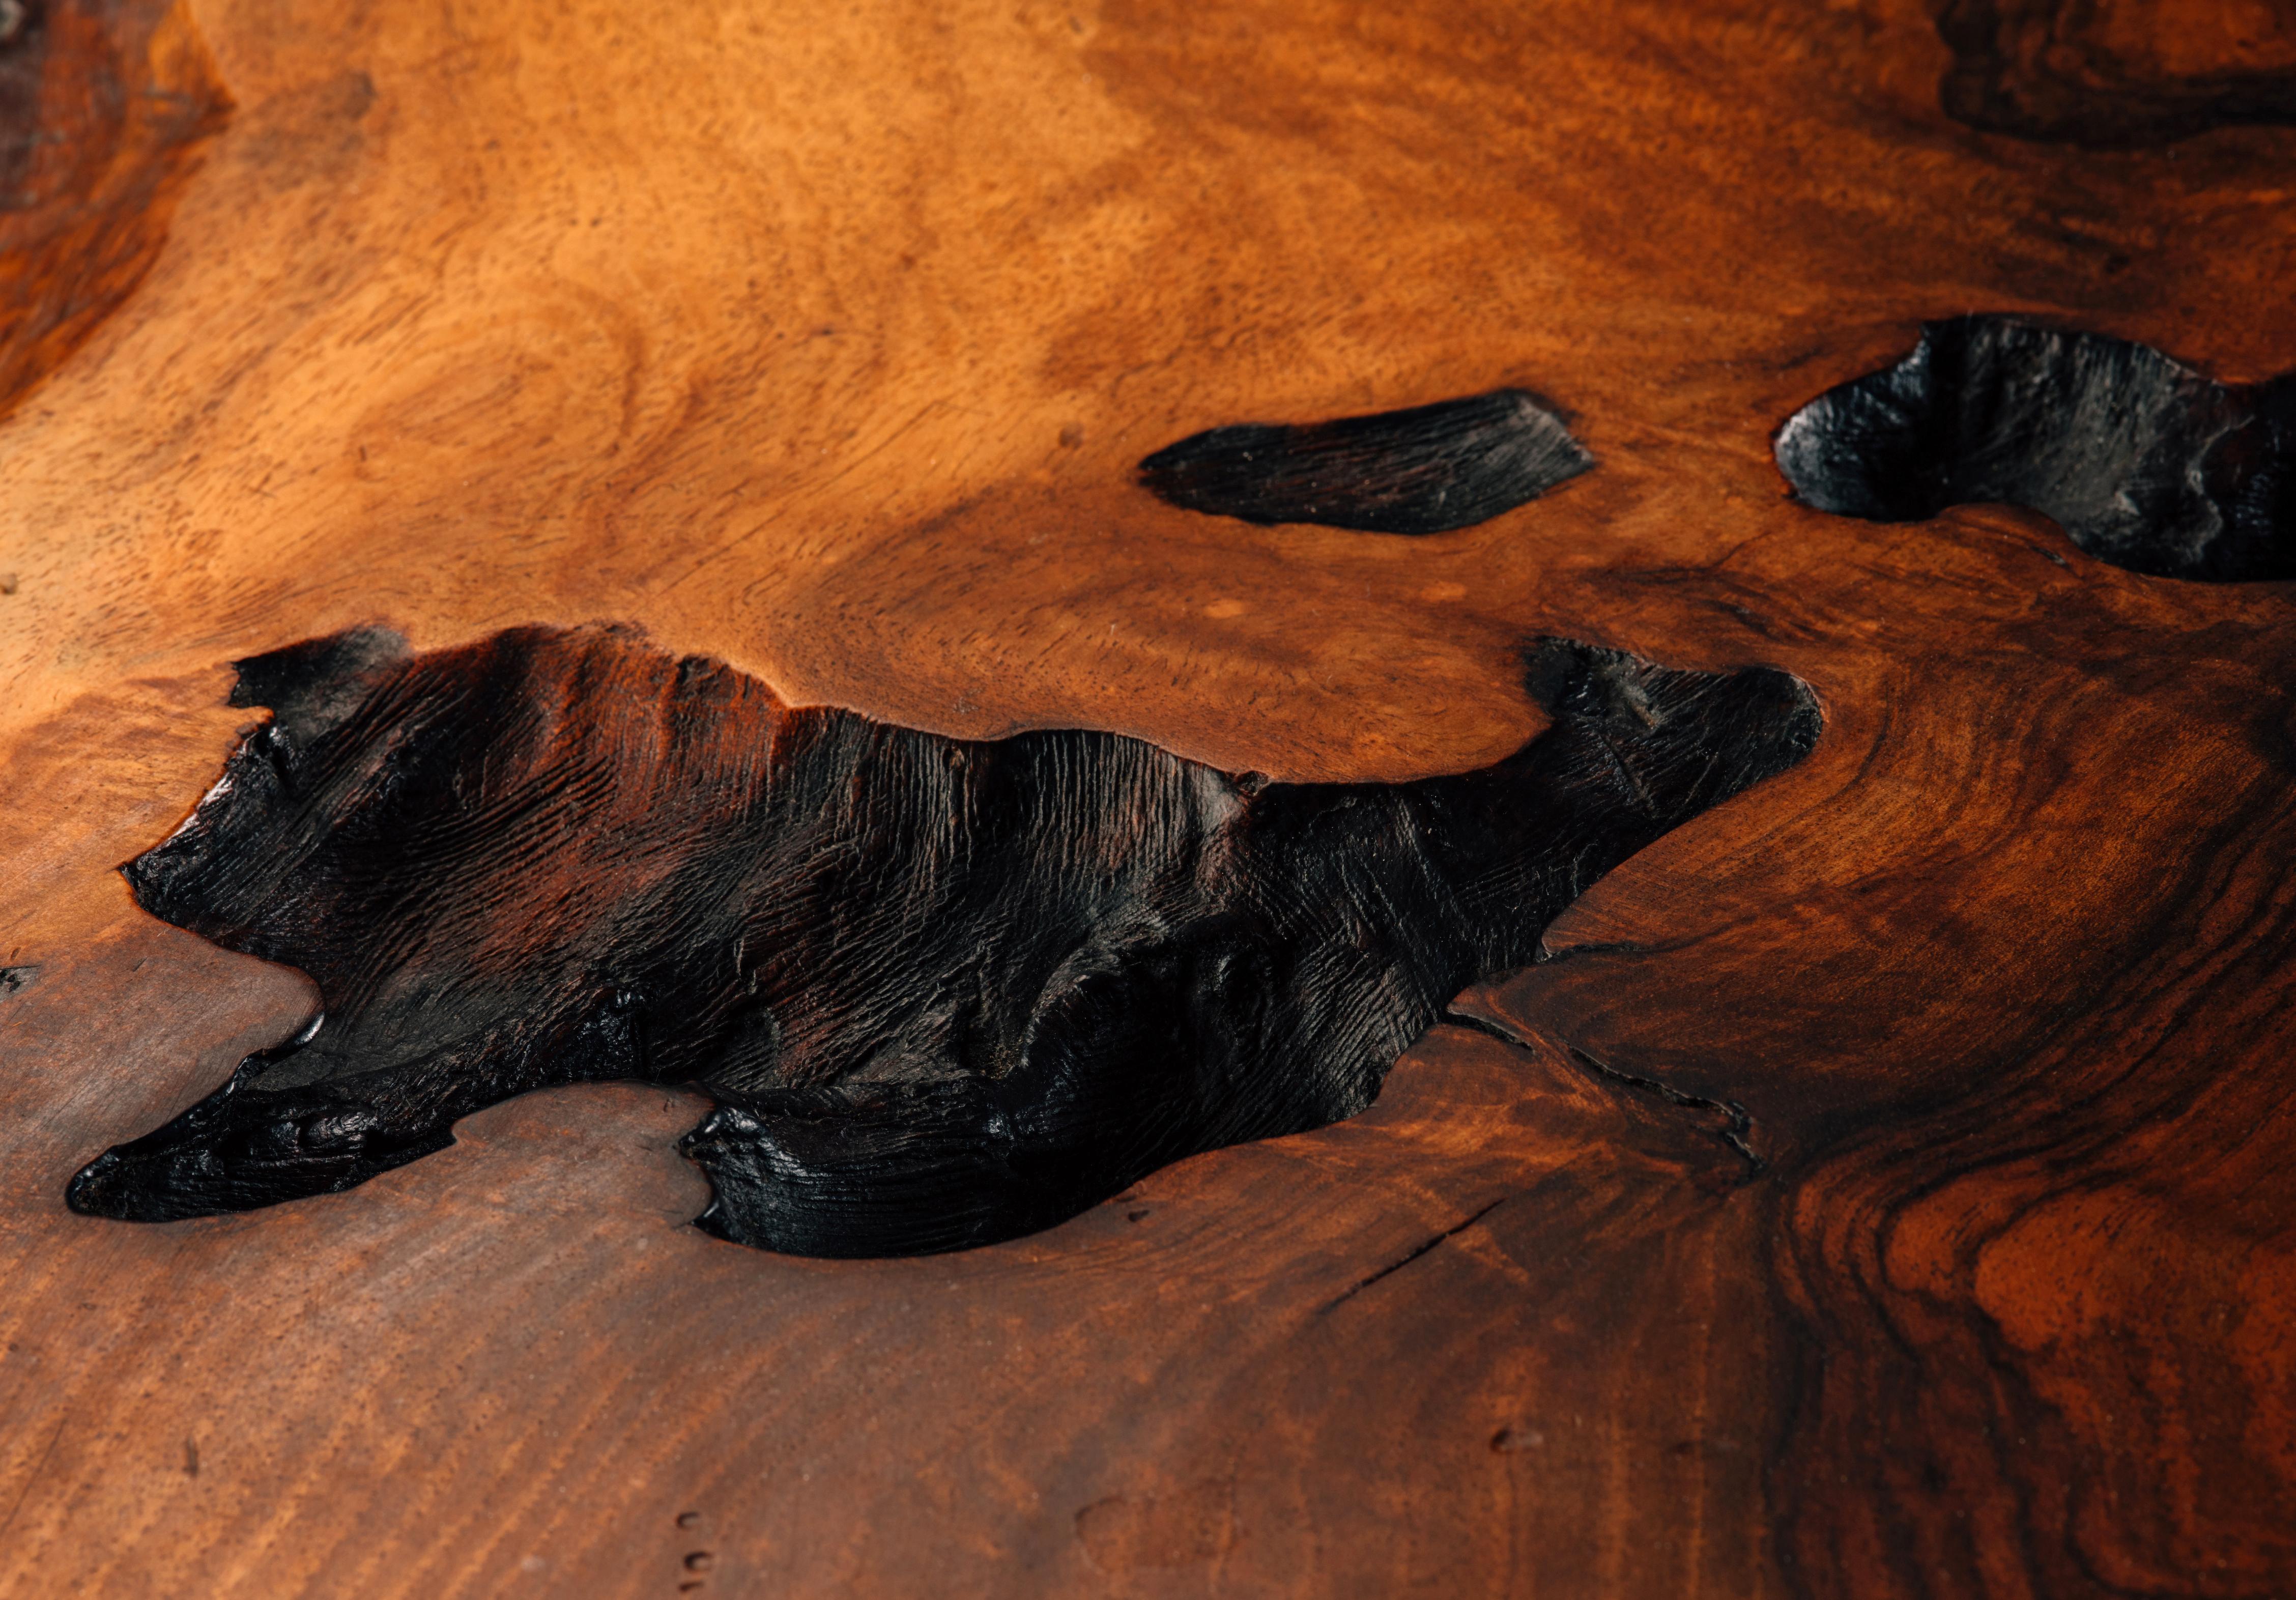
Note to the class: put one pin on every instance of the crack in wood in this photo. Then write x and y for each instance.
(1414, 1253)
(1737, 1126)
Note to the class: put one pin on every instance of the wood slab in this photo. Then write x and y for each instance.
(1882, 1187)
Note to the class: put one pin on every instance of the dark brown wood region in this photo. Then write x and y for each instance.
(1881, 1188)
(2141, 72)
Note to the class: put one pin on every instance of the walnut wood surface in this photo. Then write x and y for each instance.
(102, 107)
(825, 341)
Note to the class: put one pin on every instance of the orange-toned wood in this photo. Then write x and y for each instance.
(102, 107)
(825, 341)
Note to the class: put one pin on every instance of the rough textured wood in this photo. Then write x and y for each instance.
(1431, 469)
(942, 992)
(2143, 462)
(828, 345)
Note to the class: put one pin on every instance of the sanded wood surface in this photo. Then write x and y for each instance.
(1884, 1188)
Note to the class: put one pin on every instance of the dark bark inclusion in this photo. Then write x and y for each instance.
(943, 991)
(2143, 462)
(1431, 469)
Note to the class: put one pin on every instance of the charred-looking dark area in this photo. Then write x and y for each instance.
(2116, 77)
(2145, 464)
(943, 991)
(1428, 470)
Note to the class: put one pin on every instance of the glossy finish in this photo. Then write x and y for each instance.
(826, 342)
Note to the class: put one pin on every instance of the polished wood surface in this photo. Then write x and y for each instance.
(825, 341)
(103, 106)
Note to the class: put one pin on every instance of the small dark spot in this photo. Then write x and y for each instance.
(15, 978)
(352, 95)
(1138, 1215)
(7, 583)
(191, 1457)
(689, 1519)
(1071, 436)
(1512, 1441)
(700, 1561)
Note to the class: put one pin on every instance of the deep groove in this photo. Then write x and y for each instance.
(943, 991)
(1738, 1122)
(1428, 470)
(2145, 464)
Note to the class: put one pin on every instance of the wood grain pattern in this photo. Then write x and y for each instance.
(826, 343)
(2146, 72)
(103, 105)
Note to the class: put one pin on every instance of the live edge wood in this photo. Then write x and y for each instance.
(1886, 1187)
